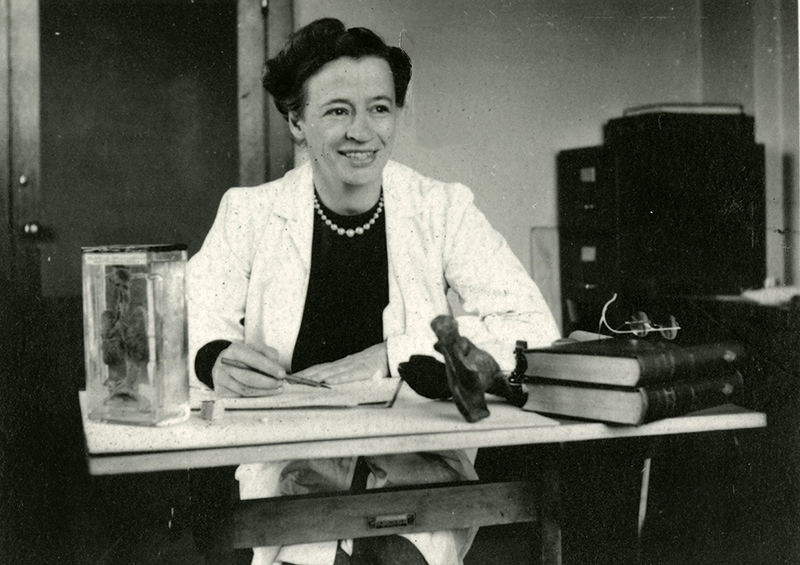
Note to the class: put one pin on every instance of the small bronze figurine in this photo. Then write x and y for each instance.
(471, 372)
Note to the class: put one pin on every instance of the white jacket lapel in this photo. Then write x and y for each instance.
(295, 204)
(287, 266)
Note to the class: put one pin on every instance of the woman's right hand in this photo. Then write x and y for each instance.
(233, 381)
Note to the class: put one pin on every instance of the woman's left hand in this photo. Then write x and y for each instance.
(362, 366)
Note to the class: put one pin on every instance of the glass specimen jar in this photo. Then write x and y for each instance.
(135, 334)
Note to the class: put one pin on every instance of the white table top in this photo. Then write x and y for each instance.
(413, 424)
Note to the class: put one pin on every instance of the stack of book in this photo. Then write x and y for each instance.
(631, 381)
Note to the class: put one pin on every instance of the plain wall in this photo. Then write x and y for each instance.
(500, 87)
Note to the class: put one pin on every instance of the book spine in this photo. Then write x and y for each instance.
(688, 363)
(684, 397)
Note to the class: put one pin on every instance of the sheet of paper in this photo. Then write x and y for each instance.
(375, 391)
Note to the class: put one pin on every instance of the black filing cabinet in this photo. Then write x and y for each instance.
(672, 204)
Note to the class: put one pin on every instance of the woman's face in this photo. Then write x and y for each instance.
(348, 123)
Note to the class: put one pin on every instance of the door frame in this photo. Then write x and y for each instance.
(20, 145)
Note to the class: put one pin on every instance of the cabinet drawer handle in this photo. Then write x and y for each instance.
(391, 521)
(589, 286)
(589, 206)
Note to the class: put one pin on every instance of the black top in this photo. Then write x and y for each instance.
(348, 289)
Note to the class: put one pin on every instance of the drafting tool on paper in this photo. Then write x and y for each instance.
(290, 378)
(367, 394)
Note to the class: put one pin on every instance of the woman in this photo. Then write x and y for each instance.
(335, 271)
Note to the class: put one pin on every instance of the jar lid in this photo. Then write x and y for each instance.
(150, 248)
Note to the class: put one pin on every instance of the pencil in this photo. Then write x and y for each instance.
(290, 378)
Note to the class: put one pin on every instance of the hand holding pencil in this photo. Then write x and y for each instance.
(248, 371)
(288, 377)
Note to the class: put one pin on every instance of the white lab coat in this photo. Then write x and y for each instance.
(255, 263)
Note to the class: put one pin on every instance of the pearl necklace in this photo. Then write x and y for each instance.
(352, 231)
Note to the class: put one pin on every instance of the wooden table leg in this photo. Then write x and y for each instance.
(652, 448)
(550, 511)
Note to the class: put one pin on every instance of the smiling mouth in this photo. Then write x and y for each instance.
(359, 156)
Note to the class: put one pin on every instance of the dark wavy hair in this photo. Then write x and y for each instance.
(320, 42)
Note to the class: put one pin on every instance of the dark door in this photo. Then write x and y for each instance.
(138, 126)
